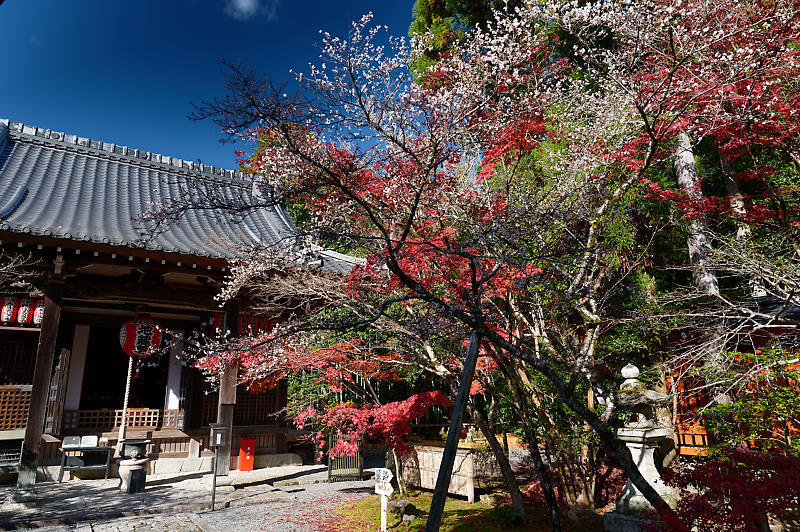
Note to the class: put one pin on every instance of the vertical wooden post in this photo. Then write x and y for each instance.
(225, 407)
(453, 435)
(41, 387)
(227, 395)
(172, 395)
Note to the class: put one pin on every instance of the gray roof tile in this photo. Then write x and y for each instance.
(65, 186)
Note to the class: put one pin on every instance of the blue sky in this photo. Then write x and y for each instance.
(124, 71)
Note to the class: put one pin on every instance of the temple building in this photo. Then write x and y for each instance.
(75, 205)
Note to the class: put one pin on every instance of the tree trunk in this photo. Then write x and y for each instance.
(699, 239)
(735, 198)
(533, 446)
(398, 470)
(700, 249)
(502, 461)
(544, 477)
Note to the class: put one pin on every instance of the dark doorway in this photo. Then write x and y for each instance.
(107, 367)
(17, 356)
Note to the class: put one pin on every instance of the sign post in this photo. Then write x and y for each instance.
(383, 487)
(215, 440)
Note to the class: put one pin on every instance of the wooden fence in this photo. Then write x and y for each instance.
(345, 467)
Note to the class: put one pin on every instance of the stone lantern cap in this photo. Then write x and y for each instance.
(635, 397)
(634, 392)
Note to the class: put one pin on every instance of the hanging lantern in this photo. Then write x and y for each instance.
(25, 311)
(38, 312)
(139, 337)
(9, 311)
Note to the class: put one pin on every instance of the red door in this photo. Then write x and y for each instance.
(247, 453)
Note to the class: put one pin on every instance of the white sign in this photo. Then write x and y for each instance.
(383, 474)
(383, 487)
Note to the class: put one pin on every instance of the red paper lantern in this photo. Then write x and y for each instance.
(38, 312)
(139, 337)
(9, 311)
(25, 311)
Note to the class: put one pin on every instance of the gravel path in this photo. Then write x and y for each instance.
(307, 511)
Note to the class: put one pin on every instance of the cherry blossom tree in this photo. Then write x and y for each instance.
(499, 193)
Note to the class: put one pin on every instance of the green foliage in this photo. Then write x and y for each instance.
(298, 213)
(304, 390)
(765, 411)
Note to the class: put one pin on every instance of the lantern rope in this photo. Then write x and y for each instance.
(125, 406)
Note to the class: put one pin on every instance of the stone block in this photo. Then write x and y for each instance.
(277, 460)
(167, 466)
(193, 465)
(194, 448)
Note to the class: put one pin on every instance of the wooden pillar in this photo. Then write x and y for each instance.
(40, 387)
(225, 407)
(282, 391)
(227, 394)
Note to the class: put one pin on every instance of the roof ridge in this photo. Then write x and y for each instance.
(7, 126)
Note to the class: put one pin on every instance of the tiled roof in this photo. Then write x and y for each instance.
(64, 186)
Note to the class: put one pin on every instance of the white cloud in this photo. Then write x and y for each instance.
(246, 9)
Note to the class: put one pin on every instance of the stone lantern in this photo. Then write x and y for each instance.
(642, 435)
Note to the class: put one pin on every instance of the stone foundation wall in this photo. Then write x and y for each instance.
(421, 468)
(161, 466)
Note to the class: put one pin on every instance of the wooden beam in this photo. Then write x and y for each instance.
(109, 249)
(97, 288)
(41, 387)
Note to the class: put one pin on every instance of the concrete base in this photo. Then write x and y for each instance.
(615, 522)
(19, 501)
(132, 475)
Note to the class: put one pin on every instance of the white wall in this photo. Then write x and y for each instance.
(80, 341)
(173, 395)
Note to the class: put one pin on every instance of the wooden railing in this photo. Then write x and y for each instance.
(111, 419)
(14, 402)
(251, 408)
(692, 439)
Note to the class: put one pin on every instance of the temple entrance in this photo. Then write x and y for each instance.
(106, 369)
